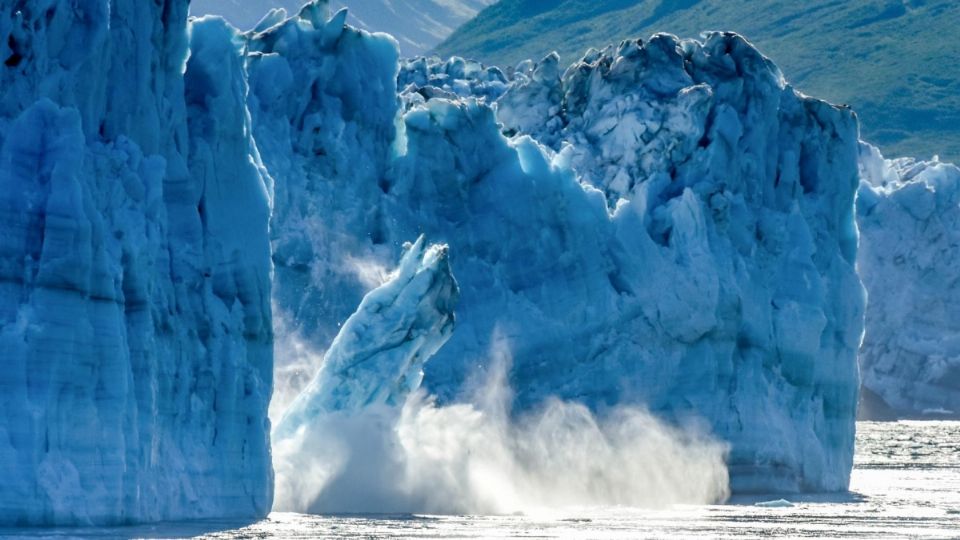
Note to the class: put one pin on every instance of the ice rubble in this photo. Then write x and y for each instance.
(135, 321)
(909, 216)
(703, 267)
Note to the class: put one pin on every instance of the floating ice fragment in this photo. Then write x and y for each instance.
(779, 503)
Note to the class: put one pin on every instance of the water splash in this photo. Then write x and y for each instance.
(478, 458)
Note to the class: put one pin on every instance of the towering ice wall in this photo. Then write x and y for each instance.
(909, 216)
(135, 320)
(702, 263)
(324, 101)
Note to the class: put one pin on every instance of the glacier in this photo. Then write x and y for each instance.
(909, 216)
(135, 316)
(909, 352)
(666, 223)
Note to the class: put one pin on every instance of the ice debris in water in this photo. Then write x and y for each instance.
(779, 503)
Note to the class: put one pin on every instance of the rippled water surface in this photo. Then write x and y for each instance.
(906, 484)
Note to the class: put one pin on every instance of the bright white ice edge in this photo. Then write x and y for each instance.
(701, 265)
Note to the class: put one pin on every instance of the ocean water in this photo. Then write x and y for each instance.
(906, 484)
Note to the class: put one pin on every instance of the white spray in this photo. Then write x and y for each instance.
(477, 458)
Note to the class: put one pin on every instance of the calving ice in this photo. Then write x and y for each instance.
(716, 281)
(663, 235)
(364, 437)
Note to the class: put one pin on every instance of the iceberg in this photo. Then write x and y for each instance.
(909, 216)
(135, 318)
(667, 224)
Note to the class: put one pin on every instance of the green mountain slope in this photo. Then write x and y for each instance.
(897, 62)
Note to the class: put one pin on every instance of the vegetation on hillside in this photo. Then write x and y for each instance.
(894, 61)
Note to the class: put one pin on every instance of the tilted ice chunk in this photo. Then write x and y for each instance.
(378, 356)
(135, 323)
(909, 216)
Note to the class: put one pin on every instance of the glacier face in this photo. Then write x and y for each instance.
(363, 436)
(417, 25)
(135, 277)
(909, 216)
(704, 265)
(668, 225)
(909, 352)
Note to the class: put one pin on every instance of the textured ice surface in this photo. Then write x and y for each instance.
(909, 216)
(135, 321)
(743, 190)
(424, 78)
(703, 267)
(906, 211)
(378, 356)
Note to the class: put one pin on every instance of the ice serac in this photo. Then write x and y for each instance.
(701, 264)
(135, 319)
(909, 216)
(378, 356)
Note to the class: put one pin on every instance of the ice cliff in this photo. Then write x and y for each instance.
(669, 224)
(909, 216)
(909, 352)
(665, 224)
(135, 320)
